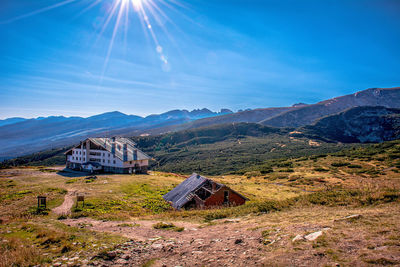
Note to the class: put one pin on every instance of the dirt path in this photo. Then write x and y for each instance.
(66, 206)
(225, 244)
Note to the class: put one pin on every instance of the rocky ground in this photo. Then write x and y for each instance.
(247, 241)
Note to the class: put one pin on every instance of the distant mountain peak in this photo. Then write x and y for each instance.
(299, 105)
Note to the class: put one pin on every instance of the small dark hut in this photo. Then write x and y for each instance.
(200, 192)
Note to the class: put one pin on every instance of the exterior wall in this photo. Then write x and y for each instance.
(78, 156)
(133, 163)
(217, 199)
(110, 162)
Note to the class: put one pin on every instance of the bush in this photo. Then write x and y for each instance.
(340, 164)
(168, 226)
(62, 217)
(354, 166)
(270, 206)
(252, 174)
(266, 169)
(319, 169)
(215, 215)
(286, 170)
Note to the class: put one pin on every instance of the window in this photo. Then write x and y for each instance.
(114, 161)
(104, 155)
(72, 158)
(226, 197)
(108, 154)
(108, 161)
(84, 153)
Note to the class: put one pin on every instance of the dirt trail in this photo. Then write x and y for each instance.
(66, 206)
(225, 244)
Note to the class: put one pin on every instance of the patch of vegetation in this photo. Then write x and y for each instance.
(71, 181)
(354, 166)
(128, 225)
(320, 169)
(382, 261)
(90, 179)
(340, 164)
(168, 226)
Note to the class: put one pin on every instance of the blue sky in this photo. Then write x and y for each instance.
(233, 54)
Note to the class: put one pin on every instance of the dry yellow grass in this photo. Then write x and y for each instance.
(374, 239)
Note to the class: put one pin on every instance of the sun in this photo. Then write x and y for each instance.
(137, 4)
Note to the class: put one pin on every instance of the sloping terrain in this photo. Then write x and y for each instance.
(11, 121)
(231, 148)
(210, 150)
(34, 135)
(336, 209)
(357, 125)
(29, 136)
(297, 115)
(386, 97)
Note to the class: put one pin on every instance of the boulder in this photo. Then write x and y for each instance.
(313, 236)
(297, 238)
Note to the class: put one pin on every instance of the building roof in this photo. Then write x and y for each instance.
(181, 194)
(107, 143)
(185, 191)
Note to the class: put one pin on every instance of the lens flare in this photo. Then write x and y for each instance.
(148, 11)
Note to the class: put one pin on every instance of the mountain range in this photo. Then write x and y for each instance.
(24, 136)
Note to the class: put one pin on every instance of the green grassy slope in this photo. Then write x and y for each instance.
(211, 150)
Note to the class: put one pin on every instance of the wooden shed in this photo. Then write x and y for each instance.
(200, 192)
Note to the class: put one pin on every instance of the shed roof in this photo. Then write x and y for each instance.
(185, 191)
(181, 194)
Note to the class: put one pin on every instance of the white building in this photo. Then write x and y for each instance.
(115, 155)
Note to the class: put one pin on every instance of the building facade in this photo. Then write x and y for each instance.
(111, 155)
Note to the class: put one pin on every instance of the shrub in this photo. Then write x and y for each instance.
(286, 170)
(319, 169)
(288, 164)
(252, 174)
(270, 206)
(168, 226)
(62, 217)
(215, 215)
(266, 169)
(354, 166)
(340, 164)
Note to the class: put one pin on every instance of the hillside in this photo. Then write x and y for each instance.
(231, 148)
(297, 115)
(334, 209)
(386, 97)
(28, 136)
(357, 125)
(211, 150)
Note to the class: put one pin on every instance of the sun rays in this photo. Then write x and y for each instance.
(117, 20)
